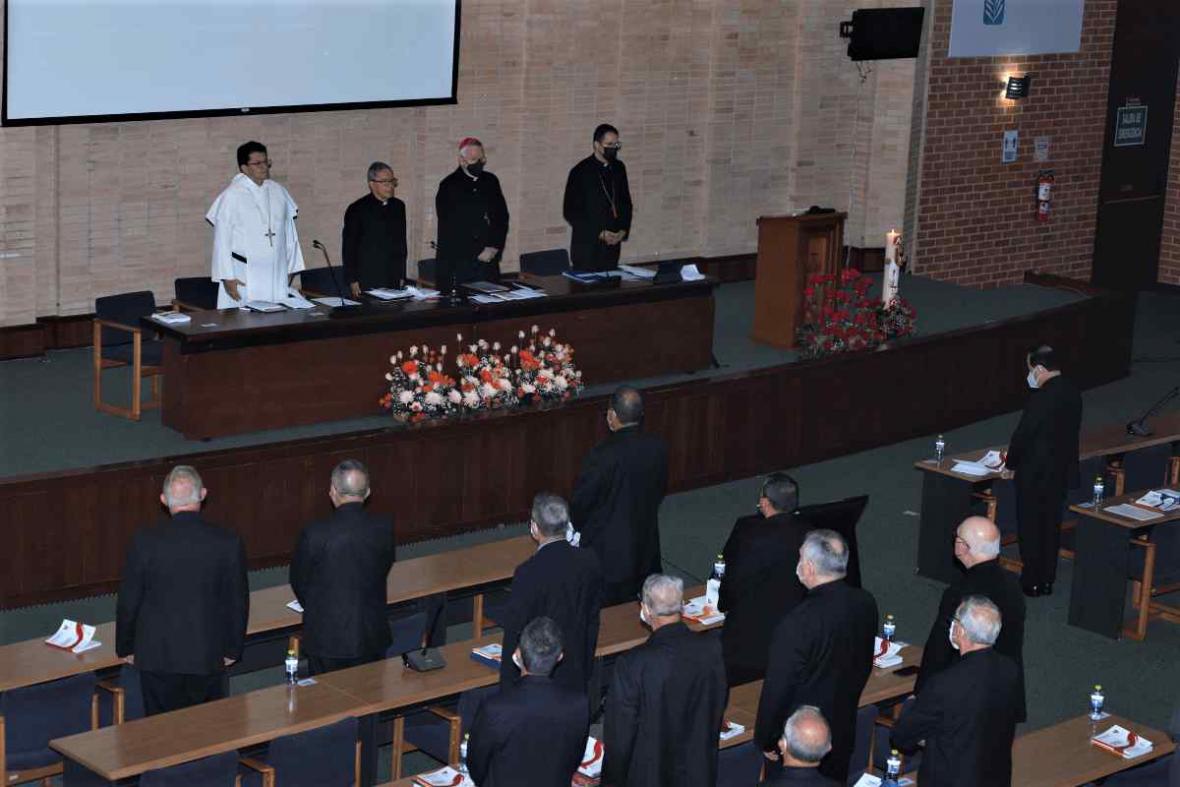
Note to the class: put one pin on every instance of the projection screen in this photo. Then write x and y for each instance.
(102, 60)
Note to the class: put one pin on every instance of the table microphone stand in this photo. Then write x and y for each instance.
(1138, 427)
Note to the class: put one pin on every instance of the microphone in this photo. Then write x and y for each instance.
(428, 658)
(332, 274)
(1138, 428)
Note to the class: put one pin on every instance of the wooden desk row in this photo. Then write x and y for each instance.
(32, 661)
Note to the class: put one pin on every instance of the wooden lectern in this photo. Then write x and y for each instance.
(791, 248)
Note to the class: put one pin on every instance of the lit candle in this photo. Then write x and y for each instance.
(891, 245)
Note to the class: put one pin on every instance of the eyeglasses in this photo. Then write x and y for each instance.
(616, 146)
(266, 163)
(391, 181)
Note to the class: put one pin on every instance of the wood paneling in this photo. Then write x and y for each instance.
(68, 530)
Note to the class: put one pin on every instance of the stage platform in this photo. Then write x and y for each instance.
(76, 484)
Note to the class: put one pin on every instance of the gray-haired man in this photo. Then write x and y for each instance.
(821, 653)
(806, 740)
(374, 252)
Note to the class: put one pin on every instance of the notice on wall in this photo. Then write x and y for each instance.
(1041, 148)
(1130, 125)
(1011, 143)
(981, 28)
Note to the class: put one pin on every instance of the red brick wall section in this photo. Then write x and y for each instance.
(1169, 271)
(975, 222)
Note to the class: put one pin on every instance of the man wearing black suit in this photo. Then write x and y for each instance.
(183, 601)
(338, 574)
(532, 733)
(617, 496)
(666, 700)
(1043, 452)
(374, 239)
(597, 204)
(966, 713)
(559, 582)
(806, 740)
(472, 220)
(821, 653)
(760, 585)
(977, 547)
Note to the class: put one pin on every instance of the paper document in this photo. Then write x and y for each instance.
(295, 606)
(869, 780)
(993, 460)
(1163, 499)
(296, 301)
(592, 758)
(263, 306)
(690, 272)
(700, 611)
(731, 729)
(387, 294)
(74, 637)
(443, 777)
(886, 654)
(490, 655)
(1128, 511)
(422, 293)
(1122, 742)
(335, 301)
(172, 318)
(638, 272)
(971, 468)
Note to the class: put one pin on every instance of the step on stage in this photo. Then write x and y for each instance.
(76, 484)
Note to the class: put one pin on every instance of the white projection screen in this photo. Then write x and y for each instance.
(102, 60)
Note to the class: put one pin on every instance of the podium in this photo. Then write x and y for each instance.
(791, 248)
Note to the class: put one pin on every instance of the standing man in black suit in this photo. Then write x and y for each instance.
(532, 732)
(1043, 452)
(760, 585)
(338, 574)
(559, 582)
(666, 700)
(183, 601)
(617, 496)
(966, 714)
(472, 220)
(977, 547)
(821, 653)
(806, 740)
(597, 204)
(374, 250)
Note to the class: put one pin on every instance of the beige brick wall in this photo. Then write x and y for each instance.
(728, 109)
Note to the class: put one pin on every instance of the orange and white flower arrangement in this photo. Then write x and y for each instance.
(418, 386)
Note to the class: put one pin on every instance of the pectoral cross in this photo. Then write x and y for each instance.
(270, 235)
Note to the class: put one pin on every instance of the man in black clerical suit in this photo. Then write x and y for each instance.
(806, 740)
(1043, 452)
(760, 585)
(977, 547)
(559, 582)
(472, 220)
(666, 700)
(375, 235)
(338, 574)
(821, 653)
(531, 733)
(617, 496)
(966, 713)
(597, 204)
(183, 601)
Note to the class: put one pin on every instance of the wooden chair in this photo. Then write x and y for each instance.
(118, 341)
(31, 716)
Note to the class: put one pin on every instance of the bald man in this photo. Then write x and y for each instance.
(977, 548)
(806, 740)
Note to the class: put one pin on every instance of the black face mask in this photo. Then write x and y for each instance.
(475, 169)
(610, 154)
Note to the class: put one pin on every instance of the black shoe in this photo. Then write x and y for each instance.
(1031, 591)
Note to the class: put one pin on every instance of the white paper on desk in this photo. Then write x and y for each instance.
(487, 299)
(869, 780)
(445, 776)
(388, 294)
(731, 729)
(1123, 742)
(335, 300)
(690, 272)
(73, 636)
(886, 654)
(295, 606)
(993, 461)
(422, 293)
(1129, 511)
(263, 306)
(638, 272)
(702, 612)
(971, 468)
(172, 318)
(522, 293)
(296, 301)
(1163, 499)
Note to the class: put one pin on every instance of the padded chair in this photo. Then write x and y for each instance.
(321, 282)
(425, 732)
(841, 516)
(32, 716)
(428, 272)
(739, 766)
(121, 699)
(195, 293)
(551, 262)
(329, 755)
(220, 770)
(119, 341)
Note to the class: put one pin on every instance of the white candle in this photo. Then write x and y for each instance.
(891, 245)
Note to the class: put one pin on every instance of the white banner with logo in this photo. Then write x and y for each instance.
(982, 28)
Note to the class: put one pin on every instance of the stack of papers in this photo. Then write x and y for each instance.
(443, 777)
(638, 272)
(869, 780)
(886, 654)
(971, 468)
(74, 637)
(296, 301)
(590, 771)
(1163, 499)
(518, 294)
(698, 610)
(335, 301)
(422, 293)
(731, 729)
(489, 655)
(1132, 511)
(263, 306)
(1121, 742)
(172, 318)
(387, 294)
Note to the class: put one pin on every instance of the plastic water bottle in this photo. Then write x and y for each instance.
(713, 585)
(1099, 490)
(939, 448)
(292, 665)
(463, 756)
(892, 769)
(1097, 700)
(888, 629)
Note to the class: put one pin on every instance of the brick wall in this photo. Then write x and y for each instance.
(1169, 270)
(970, 219)
(728, 109)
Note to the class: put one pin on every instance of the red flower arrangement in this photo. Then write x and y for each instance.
(418, 387)
(485, 379)
(545, 370)
(840, 317)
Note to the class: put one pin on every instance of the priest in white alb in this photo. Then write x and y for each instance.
(255, 245)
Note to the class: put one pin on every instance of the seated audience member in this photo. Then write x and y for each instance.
(666, 700)
(533, 731)
(806, 741)
(560, 582)
(760, 585)
(967, 713)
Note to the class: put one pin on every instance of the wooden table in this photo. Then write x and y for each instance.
(1098, 595)
(1062, 755)
(232, 371)
(32, 661)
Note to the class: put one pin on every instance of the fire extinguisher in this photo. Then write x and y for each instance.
(1044, 194)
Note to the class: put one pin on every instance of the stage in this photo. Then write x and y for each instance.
(77, 479)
